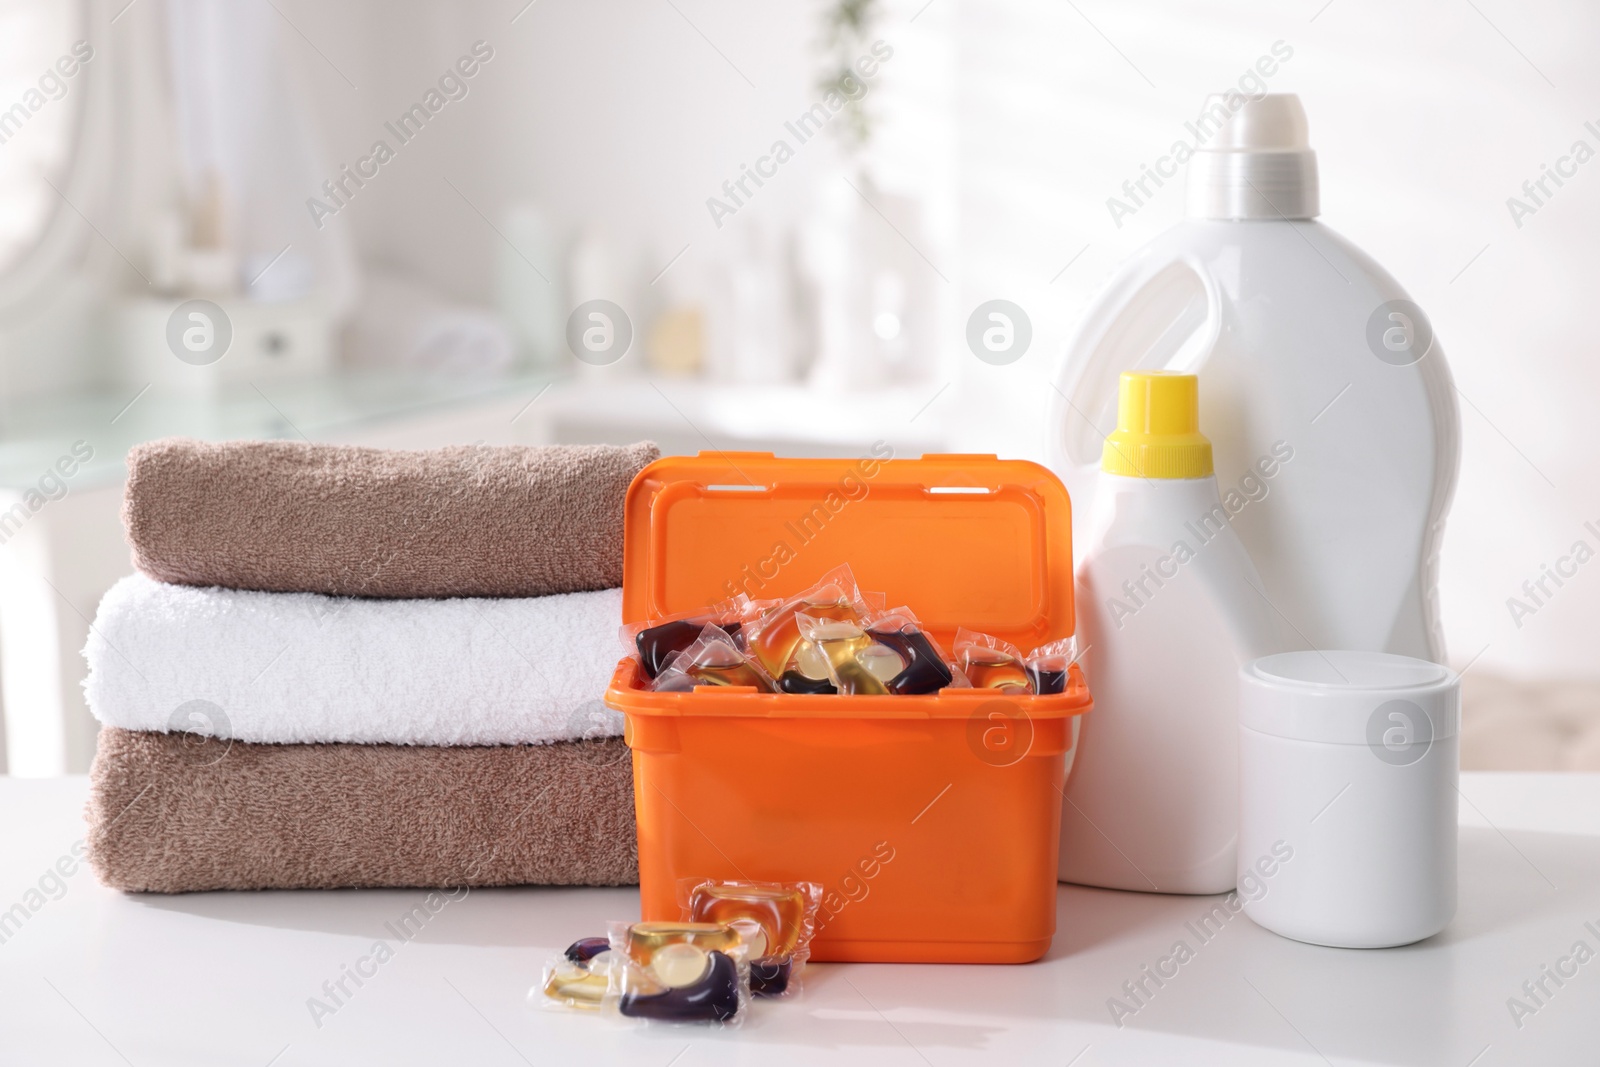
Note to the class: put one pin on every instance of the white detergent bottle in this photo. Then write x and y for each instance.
(1169, 609)
(1300, 342)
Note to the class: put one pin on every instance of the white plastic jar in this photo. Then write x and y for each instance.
(1348, 770)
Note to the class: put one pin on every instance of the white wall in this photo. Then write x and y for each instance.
(615, 114)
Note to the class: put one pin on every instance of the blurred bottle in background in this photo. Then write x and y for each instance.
(600, 328)
(529, 285)
(754, 335)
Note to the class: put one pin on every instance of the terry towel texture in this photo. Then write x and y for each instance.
(299, 667)
(504, 521)
(172, 813)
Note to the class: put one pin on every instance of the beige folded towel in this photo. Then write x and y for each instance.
(173, 813)
(282, 516)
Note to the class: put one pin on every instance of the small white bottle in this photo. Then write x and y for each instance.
(1169, 608)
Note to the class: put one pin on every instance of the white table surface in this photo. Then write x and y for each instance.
(98, 977)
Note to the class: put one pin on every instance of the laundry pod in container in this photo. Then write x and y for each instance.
(1349, 763)
(1169, 608)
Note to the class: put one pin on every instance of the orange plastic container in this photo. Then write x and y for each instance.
(932, 822)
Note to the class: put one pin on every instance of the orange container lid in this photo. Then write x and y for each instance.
(963, 540)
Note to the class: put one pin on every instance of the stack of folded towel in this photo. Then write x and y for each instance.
(345, 666)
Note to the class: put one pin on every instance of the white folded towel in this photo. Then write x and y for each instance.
(301, 667)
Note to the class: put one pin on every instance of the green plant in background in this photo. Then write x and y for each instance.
(847, 27)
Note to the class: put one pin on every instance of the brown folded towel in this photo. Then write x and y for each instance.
(173, 813)
(289, 517)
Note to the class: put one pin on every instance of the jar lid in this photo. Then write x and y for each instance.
(1350, 698)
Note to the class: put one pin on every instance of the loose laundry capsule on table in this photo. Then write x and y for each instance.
(579, 978)
(575, 985)
(769, 978)
(779, 912)
(712, 997)
(774, 920)
(679, 964)
(682, 972)
(587, 948)
(643, 940)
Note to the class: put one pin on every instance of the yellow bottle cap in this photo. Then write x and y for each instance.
(1158, 428)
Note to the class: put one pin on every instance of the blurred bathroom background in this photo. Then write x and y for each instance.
(764, 227)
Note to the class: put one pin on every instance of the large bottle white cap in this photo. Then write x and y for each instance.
(1256, 160)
